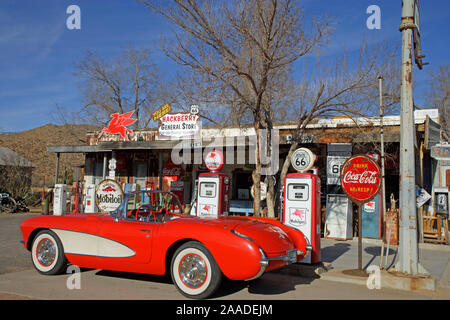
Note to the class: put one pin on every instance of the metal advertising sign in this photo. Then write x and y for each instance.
(118, 125)
(334, 165)
(171, 169)
(297, 216)
(195, 109)
(374, 155)
(360, 179)
(422, 196)
(214, 160)
(179, 125)
(302, 159)
(163, 110)
(108, 195)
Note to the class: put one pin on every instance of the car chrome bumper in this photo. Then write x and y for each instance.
(264, 262)
(308, 250)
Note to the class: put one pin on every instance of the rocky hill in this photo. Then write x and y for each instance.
(32, 144)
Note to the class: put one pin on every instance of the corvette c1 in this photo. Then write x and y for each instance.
(148, 233)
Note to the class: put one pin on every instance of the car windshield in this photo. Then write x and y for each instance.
(149, 206)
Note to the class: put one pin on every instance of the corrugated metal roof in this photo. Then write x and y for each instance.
(243, 134)
(9, 157)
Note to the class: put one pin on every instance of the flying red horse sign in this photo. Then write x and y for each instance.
(118, 125)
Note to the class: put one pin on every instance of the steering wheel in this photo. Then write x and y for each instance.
(163, 213)
(147, 206)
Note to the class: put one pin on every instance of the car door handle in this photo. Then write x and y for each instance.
(145, 230)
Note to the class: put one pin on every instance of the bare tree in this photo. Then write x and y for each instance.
(438, 96)
(241, 49)
(340, 88)
(128, 82)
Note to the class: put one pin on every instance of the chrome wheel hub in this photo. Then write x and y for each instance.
(193, 271)
(46, 252)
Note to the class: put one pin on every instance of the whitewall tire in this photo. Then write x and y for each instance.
(194, 271)
(47, 253)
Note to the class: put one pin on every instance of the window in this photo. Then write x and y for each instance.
(207, 189)
(447, 178)
(149, 205)
(140, 173)
(298, 191)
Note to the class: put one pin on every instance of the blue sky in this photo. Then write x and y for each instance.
(38, 52)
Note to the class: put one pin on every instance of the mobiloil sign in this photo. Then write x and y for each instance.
(108, 195)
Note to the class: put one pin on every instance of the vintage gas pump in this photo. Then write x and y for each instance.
(213, 188)
(89, 199)
(301, 205)
(75, 204)
(59, 199)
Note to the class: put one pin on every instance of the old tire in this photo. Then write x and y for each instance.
(47, 253)
(8, 205)
(194, 271)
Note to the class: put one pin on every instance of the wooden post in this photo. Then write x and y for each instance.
(105, 164)
(160, 163)
(359, 237)
(57, 168)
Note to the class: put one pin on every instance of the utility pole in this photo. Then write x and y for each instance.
(383, 187)
(408, 245)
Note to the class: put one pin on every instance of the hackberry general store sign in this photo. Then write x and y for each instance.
(179, 125)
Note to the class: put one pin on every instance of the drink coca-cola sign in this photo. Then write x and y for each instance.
(360, 178)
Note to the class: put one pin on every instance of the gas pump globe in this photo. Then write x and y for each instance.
(301, 205)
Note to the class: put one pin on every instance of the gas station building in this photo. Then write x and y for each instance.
(145, 161)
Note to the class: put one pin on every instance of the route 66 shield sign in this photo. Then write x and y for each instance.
(302, 159)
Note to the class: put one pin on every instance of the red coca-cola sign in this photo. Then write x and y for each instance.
(171, 169)
(360, 178)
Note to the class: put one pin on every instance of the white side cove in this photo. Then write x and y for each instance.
(75, 242)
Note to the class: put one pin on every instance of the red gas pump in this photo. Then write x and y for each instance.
(213, 194)
(301, 206)
(75, 198)
(213, 188)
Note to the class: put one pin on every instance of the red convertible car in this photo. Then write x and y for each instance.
(148, 233)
